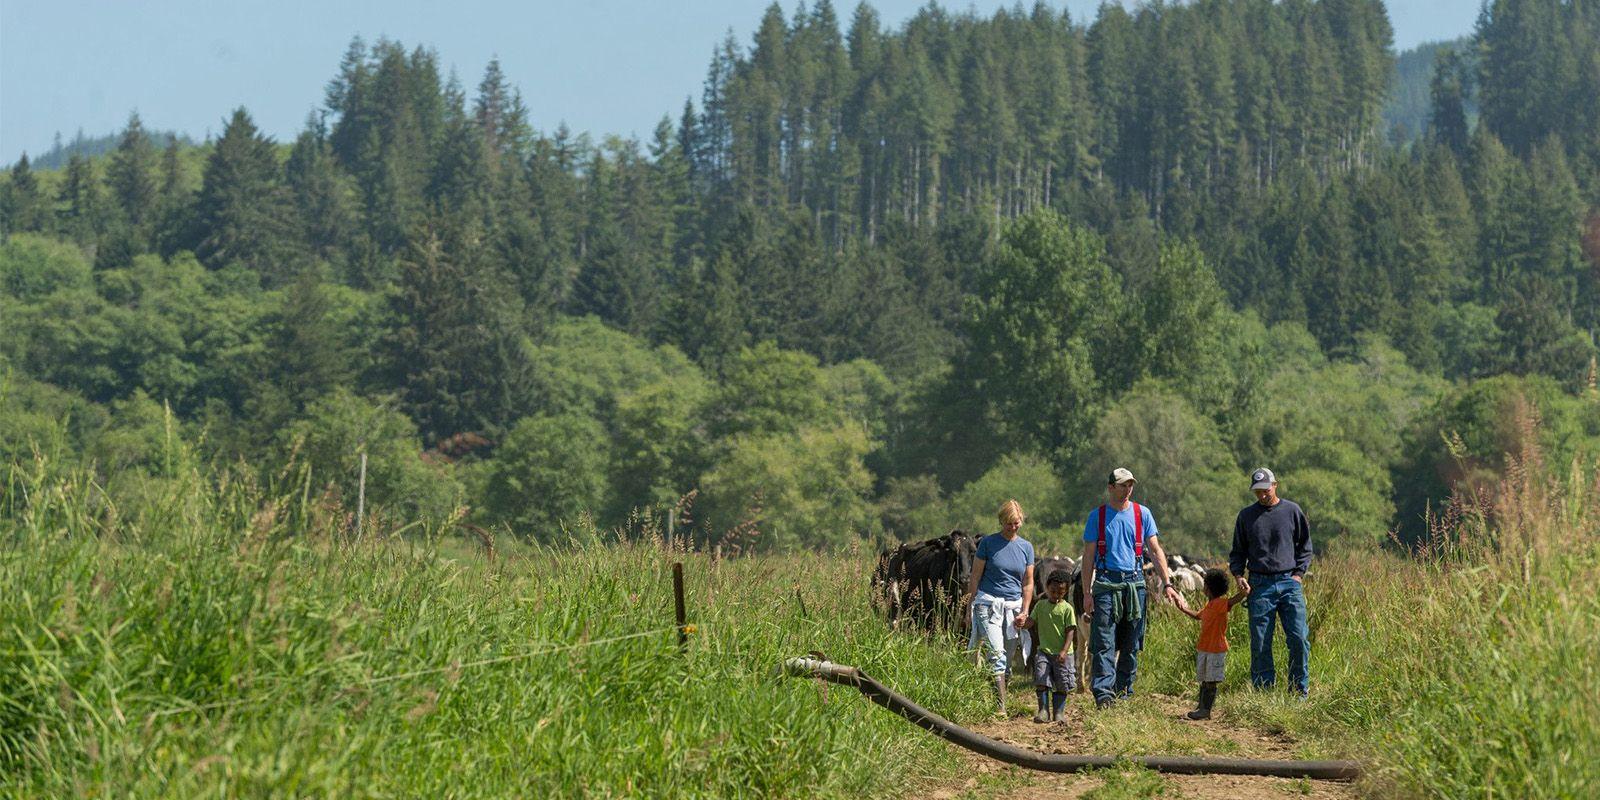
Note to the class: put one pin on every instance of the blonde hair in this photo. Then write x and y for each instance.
(1011, 511)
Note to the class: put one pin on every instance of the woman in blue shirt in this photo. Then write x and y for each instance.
(999, 594)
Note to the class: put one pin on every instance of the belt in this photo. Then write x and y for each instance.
(1270, 575)
(1119, 575)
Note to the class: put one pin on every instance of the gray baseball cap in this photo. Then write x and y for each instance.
(1121, 475)
(1262, 479)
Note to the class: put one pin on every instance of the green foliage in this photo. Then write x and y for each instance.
(1029, 480)
(765, 390)
(913, 509)
(243, 210)
(781, 490)
(658, 443)
(1333, 434)
(1476, 431)
(455, 346)
(548, 477)
(34, 266)
(1186, 475)
(1183, 330)
(403, 484)
(131, 174)
(862, 393)
(1043, 311)
(863, 230)
(582, 366)
(40, 417)
(22, 206)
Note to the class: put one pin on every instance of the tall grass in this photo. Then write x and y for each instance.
(1470, 668)
(206, 633)
(224, 639)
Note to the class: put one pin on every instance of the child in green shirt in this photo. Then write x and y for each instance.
(1055, 629)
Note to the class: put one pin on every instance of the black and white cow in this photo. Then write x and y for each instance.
(925, 581)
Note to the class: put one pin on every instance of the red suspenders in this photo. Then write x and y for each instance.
(1138, 534)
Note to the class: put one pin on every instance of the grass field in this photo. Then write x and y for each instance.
(212, 637)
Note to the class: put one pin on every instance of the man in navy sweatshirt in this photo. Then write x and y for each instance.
(1273, 540)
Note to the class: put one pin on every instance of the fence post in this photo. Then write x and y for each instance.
(677, 597)
(361, 496)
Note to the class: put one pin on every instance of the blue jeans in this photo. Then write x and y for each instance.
(1114, 647)
(1278, 596)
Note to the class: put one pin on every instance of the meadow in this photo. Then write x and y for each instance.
(212, 635)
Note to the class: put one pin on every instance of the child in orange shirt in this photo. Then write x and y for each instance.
(1211, 651)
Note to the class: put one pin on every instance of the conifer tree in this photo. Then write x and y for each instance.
(321, 197)
(131, 174)
(308, 352)
(456, 351)
(24, 208)
(243, 212)
(1447, 119)
(81, 201)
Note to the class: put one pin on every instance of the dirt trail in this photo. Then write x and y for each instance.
(1157, 719)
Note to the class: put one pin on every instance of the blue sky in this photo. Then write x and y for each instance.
(604, 66)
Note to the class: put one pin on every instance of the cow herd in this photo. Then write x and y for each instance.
(922, 584)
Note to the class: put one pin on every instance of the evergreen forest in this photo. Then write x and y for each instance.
(873, 279)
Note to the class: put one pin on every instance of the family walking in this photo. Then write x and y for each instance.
(1269, 558)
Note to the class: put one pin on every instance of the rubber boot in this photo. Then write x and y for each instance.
(1208, 696)
(1000, 695)
(1043, 714)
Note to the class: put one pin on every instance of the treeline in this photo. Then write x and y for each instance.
(871, 281)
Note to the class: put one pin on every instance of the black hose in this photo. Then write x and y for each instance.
(1011, 754)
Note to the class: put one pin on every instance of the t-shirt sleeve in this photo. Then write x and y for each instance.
(1150, 530)
(1091, 526)
(985, 549)
(1028, 554)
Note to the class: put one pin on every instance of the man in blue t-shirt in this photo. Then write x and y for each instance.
(1117, 536)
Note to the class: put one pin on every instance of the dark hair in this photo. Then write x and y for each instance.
(1058, 576)
(1216, 582)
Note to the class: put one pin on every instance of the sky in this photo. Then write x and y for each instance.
(602, 66)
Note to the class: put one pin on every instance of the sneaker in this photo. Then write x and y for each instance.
(1041, 716)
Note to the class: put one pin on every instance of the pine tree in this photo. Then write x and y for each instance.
(131, 174)
(460, 182)
(456, 350)
(23, 208)
(322, 199)
(308, 354)
(82, 203)
(502, 119)
(172, 183)
(1447, 119)
(243, 212)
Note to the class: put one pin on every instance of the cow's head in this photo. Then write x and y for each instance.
(963, 550)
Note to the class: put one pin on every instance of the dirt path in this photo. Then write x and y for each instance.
(1147, 725)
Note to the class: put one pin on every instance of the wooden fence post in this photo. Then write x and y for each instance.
(361, 496)
(677, 596)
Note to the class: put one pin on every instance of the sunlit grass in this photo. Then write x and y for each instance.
(217, 636)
